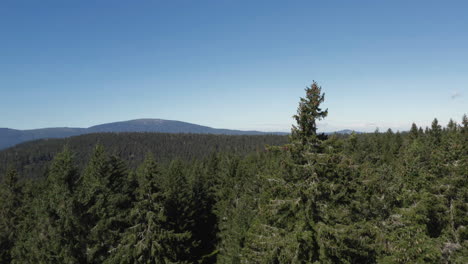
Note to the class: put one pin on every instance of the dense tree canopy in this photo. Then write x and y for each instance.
(364, 198)
(31, 159)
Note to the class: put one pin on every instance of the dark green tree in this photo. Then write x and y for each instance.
(10, 214)
(452, 126)
(308, 113)
(105, 203)
(204, 219)
(289, 215)
(146, 240)
(465, 124)
(435, 131)
(179, 209)
(414, 132)
(56, 235)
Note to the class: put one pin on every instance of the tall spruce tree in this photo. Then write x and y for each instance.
(435, 132)
(179, 209)
(414, 132)
(308, 113)
(288, 217)
(308, 169)
(105, 204)
(62, 212)
(146, 240)
(204, 219)
(55, 234)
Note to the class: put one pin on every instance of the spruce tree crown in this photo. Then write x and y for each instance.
(308, 113)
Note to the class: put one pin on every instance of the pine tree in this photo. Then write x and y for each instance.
(10, 214)
(420, 132)
(55, 235)
(92, 189)
(414, 132)
(122, 185)
(308, 171)
(205, 221)
(62, 210)
(105, 204)
(179, 210)
(435, 132)
(146, 240)
(406, 236)
(285, 229)
(452, 126)
(308, 113)
(465, 124)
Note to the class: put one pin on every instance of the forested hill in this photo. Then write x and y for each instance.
(361, 198)
(31, 158)
(11, 137)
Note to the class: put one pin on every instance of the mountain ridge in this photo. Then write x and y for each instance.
(10, 137)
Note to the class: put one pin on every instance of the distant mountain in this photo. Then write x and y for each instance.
(166, 126)
(345, 132)
(10, 137)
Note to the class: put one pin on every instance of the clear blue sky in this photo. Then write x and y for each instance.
(232, 64)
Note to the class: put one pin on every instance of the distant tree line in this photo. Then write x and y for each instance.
(366, 198)
(32, 159)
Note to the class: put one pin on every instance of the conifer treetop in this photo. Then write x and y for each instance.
(308, 113)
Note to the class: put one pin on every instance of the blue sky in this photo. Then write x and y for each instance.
(232, 64)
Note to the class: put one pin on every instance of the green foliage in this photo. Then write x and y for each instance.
(31, 159)
(104, 204)
(145, 240)
(308, 113)
(393, 197)
(52, 233)
(10, 214)
(205, 222)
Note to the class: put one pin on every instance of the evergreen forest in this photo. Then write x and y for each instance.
(382, 197)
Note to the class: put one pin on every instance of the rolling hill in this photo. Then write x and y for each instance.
(31, 158)
(10, 137)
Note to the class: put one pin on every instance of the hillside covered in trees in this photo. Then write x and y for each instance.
(10, 137)
(31, 159)
(364, 198)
